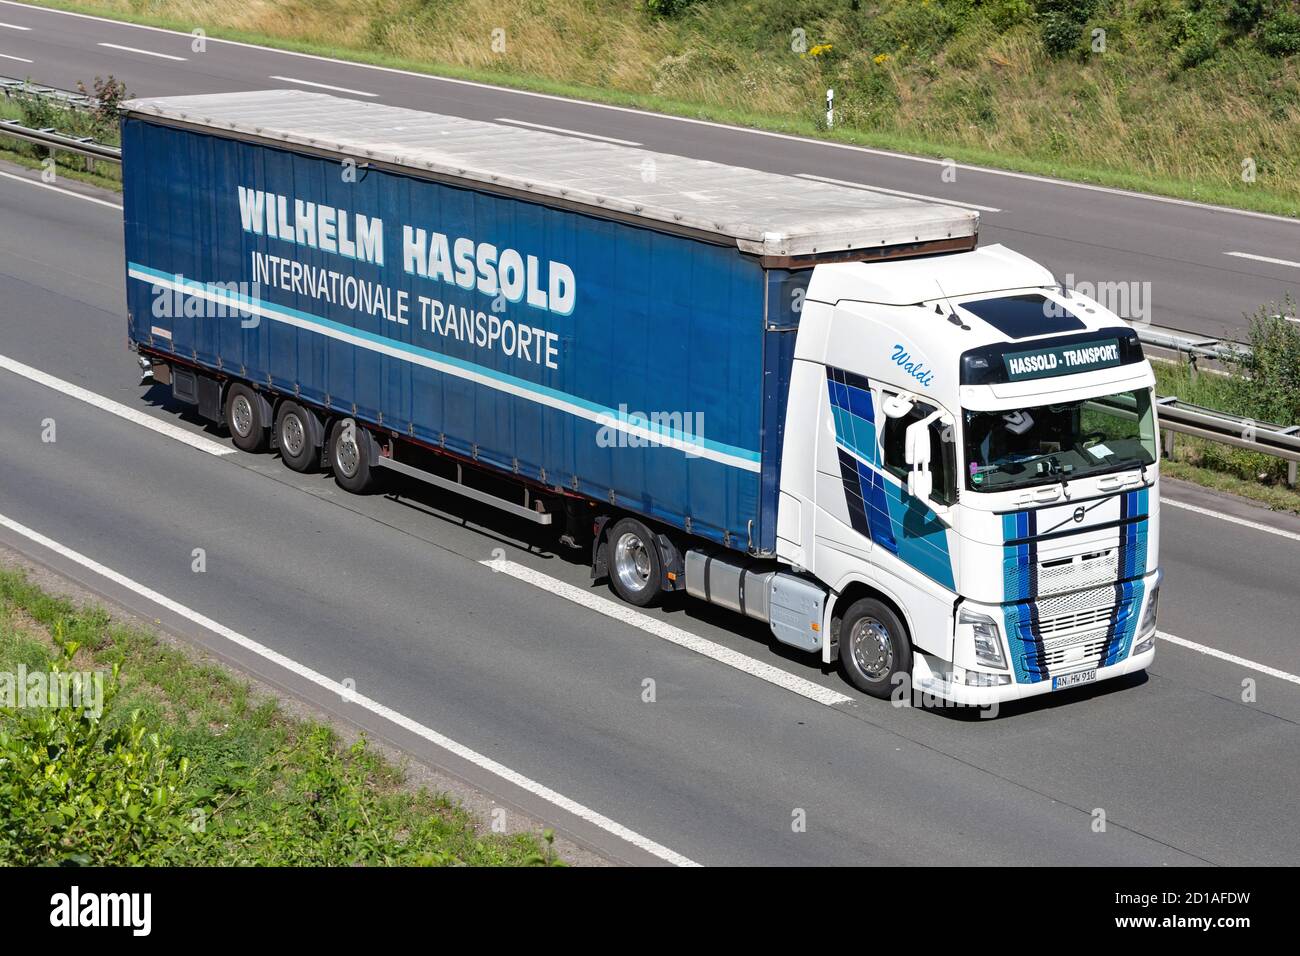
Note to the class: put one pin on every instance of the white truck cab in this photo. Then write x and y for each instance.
(982, 471)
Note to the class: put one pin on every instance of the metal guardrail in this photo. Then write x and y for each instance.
(59, 142)
(11, 87)
(15, 89)
(1177, 416)
(1193, 346)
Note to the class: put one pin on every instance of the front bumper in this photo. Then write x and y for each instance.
(1036, 657)
(931, 675)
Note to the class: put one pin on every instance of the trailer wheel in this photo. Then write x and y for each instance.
(351, 453)
(297, 436)
(635, 572)
(244, 418)
(874, 648)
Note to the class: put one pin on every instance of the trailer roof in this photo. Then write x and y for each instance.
(763, 213)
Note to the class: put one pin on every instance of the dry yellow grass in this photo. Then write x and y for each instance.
(1128, 111)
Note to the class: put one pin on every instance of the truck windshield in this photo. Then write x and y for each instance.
(1049, 443)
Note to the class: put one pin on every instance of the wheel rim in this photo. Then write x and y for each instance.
(293, 437)
(241, 415)
(872, 648)
(632, 561)
(347, 456)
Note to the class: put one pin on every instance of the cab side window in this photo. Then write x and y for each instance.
(942, 453)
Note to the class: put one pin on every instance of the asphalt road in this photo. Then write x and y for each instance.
(1192, 256)
(391, 592)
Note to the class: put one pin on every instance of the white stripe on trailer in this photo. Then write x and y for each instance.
(604, 417)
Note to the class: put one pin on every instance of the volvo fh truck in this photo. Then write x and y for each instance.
(823, 407)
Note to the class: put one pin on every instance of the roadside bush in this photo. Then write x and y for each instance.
(1266, 380)
(1061, 36)
(669, 8)
(74, 789)
(1279, 33)
(1005, 14)
(107, 94)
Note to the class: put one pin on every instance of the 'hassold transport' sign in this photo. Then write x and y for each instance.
(1062, 360)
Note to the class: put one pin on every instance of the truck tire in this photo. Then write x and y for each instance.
(635, 572)
(874, 648)
(297, 434)
(352, 452)
(245, 419)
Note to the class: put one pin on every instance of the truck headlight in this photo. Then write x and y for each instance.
(987, 637)
(1147, 628)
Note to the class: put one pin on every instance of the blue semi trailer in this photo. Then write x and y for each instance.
(721, 380)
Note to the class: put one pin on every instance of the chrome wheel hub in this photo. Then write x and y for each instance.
(872, 648)
(241, 415)
(292, 435)
(347, 457)
(632, 562)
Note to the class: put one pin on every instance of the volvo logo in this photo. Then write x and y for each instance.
(1079, 512)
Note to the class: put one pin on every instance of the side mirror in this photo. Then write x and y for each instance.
(916, 452)
(896, 406)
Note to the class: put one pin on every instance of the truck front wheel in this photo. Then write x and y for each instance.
(874, 648)
(351, 454)
(635, 572)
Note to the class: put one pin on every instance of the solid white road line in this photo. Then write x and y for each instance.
(350, 695)
(132, 49)
(66, 192)
(115, 408)
(323, 86)
(1169, 200)
(669, 632)
(566, 132)
(1230, 658)
(1270, 259)
(898, 192)
(1257, 526)
(14, 26)
(20, 59)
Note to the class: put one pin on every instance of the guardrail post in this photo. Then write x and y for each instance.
(1291, 473)
(1168, 436)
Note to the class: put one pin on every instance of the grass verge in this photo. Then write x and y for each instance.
(187, 766)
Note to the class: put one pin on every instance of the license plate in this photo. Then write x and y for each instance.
(1074, 680)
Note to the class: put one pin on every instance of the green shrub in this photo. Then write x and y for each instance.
(669, 8)
(1279, 33)
(75, 789)
(1266, 380)
(1061, 35)
(1005, 14)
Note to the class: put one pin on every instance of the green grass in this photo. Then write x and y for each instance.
(948, 78)
(268, 789)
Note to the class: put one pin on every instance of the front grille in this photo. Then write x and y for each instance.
(1056, 656)
(1082, 571)
(1073, 630)
(1063, 623)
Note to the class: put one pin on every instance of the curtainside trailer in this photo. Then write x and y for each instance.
(817, 405)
